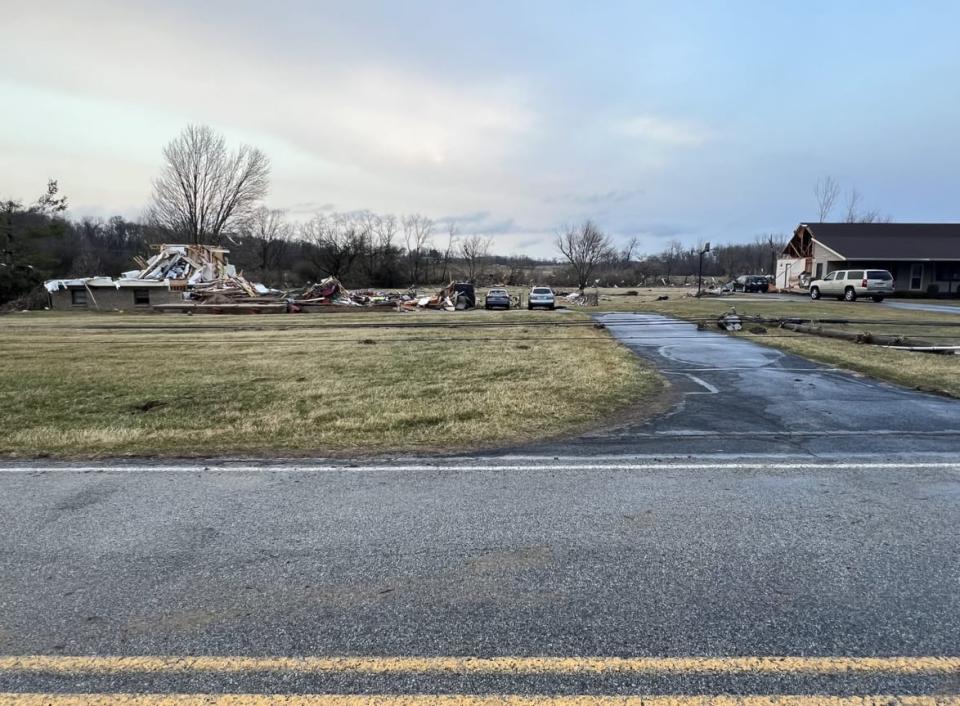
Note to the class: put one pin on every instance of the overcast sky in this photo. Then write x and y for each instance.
(665, 120)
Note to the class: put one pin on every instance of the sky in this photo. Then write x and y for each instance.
(689, 121)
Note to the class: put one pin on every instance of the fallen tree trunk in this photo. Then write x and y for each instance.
(867, 338)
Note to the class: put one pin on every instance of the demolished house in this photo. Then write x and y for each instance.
(177, 277)
(198, 279)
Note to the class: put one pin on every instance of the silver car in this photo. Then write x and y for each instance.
(541, 297)
(851, 284)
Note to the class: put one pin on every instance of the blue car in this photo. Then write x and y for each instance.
(497, 298)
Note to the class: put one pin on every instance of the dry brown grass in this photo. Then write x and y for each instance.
(172, 385)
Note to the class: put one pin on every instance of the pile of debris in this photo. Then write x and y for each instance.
(456, 296)
(583, 298)
(326, 292)
(198, 278)
(331, 292)
(730, 321)
(201, 269)
(206, 279)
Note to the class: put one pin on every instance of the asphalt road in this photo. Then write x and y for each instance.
(553, 558)
(608, 565)
(735, 396)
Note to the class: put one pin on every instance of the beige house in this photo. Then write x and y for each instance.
(107, 294)
(924, 258)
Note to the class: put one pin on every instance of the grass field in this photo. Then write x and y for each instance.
(325, 384)
(932, 373)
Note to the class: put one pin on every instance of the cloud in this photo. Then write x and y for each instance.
(659, 229)
(613, 196)
(540, 245)
(343, 110)
(466, 219)
(654, 129)
(309, 207)
(483, 222)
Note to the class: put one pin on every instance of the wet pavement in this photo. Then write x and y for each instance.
(738, 397)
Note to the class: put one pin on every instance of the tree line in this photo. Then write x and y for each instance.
(209, 194)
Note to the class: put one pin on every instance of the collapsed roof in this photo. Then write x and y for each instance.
(195, 267)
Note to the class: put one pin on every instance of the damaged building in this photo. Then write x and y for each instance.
(175, 274)
(924, 258)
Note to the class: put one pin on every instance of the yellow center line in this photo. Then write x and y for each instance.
(481, 665)
(461, 700)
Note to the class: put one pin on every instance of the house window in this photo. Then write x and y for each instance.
(141, 297)
(916, 276)
(819, 274)
(947, 271)
(78, 297)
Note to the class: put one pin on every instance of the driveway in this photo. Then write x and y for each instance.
(735, 396)
(908, 305)
(923, 306)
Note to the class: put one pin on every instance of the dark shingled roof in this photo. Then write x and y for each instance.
(890, 241)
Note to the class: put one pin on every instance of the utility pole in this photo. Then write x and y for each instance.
(705, 250)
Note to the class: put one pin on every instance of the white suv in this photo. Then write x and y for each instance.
(541, 296)
(850, 284)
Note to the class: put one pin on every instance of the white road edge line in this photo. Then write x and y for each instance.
(307, 468)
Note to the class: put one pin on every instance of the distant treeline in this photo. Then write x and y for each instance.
(38, 242)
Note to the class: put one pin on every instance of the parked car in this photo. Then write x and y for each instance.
(750, 283)
(463, 295)
(497, 298)
(850, 284)
(543, 297)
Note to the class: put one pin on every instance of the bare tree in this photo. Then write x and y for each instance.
(767, 247)
(672, 258)
(584, 246)
(204, 191)
(417, 233)
(384, 230)
(339, 239)
(827, 192)
(270, 230)
(856, 215)
(629, 249)
(853, 204)
(50, 203)
(451, 248)
(474, 250)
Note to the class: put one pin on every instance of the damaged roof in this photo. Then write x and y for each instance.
(889, 241)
